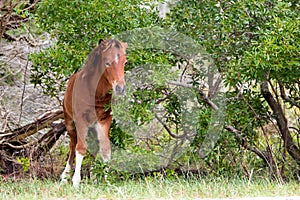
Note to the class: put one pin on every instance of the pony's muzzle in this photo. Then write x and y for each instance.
(119, 90)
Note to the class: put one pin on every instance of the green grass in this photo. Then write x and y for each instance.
(148, 188)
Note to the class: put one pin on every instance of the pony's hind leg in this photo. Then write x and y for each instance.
(73, 141)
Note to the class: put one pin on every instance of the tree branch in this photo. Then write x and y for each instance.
(203, 96)
(23, 92)
(286, 98)
(229, 128)
(245, 144)
(46, 142)
(281, 122)
(168, 130)
(21, 133)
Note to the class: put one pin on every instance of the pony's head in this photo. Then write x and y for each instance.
(114, 60)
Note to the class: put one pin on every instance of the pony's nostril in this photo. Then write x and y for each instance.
(119, 89)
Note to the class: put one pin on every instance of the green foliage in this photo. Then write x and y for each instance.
(102, 173)
(77, 27)
(25, 162)
(7, 75)
(249, 41)
(119, 137)
(244, 37)
(276, 50)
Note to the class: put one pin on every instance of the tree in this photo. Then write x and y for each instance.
(255, 44)
(13, 14)
(19, 145)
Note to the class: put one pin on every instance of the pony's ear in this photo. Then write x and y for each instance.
(125, 45)
(101, 40)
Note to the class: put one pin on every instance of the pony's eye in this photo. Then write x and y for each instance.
(107, 64)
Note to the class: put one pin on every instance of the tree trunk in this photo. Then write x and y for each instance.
(282, 124)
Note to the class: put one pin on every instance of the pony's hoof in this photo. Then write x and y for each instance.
(63, 181)
(76, 181)
(76, 185)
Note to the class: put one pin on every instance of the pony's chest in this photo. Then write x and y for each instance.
(102, 101)
(103, 106)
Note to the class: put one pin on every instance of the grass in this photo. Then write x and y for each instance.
(148, 188)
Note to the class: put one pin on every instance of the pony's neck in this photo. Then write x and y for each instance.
(104, 87)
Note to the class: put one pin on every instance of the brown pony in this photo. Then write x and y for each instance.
(87, 101)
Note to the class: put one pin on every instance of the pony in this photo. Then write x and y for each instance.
(87, 101)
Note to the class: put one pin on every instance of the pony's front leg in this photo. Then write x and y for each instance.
(103, 137)
(77, 177)
(80, 152)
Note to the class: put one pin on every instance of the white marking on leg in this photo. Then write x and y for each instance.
(65, 172)
(105, 149)
(76, 178)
